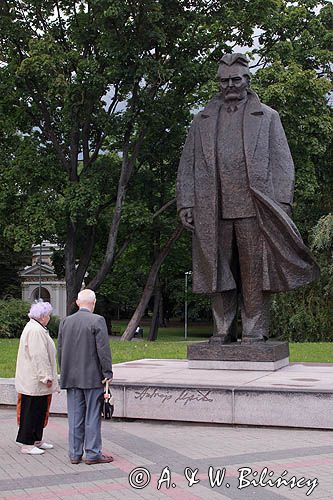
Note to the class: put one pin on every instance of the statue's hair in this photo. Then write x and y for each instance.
(236, 58)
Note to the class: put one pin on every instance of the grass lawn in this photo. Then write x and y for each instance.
(172, 333)
(170, 345)
(311, 352)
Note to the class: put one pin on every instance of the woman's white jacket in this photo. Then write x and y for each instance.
(36, 361)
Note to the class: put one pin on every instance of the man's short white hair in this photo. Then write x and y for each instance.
(86, 296)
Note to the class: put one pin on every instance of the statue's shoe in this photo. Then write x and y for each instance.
(254, 340)
(222, 339)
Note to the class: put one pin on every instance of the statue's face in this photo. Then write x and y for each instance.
(233, 83)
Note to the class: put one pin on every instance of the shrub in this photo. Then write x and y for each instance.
(53, 326)
(13, 317)
(305, 315)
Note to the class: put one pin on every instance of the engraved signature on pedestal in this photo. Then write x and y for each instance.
(194, 395)
(186, 396)
(151, 393)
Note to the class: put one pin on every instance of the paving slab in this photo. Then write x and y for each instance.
(156, 452)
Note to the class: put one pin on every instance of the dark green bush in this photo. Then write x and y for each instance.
(13, 317)
(53, 326)
(305, 315)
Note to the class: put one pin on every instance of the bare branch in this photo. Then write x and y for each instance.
(74, 148)
(89, 160)
(85, 142)
(259, 63)
(126, 171)
(164, 207)
(123, 248)
(62, 31)
(128, 240)
(150, 284)
(49, 131)
(42, 20)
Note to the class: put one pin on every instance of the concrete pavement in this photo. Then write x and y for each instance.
(172, 456)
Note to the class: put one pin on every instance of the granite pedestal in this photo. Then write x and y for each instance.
(214, 355)
(298, 395)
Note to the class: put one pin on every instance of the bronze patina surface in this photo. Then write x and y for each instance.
(234, 192)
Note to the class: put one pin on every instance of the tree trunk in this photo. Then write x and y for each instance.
(155, 321)
(162, 320)
(136, 318)
(125, 175)
(113, 234)
(70, 272)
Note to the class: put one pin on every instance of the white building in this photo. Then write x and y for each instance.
(39, 279)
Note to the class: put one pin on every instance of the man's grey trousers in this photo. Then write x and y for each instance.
(84, 422)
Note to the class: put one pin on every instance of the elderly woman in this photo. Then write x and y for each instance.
(36, 379)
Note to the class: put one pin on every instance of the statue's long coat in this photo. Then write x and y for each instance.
(287, 263)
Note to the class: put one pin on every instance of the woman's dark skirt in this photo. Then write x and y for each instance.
(32, 417)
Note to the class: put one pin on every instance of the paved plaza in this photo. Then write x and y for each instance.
(171, 456)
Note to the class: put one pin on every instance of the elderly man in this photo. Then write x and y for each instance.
(234, 191)
(85, 361)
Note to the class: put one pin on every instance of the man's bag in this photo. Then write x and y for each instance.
(107, 403)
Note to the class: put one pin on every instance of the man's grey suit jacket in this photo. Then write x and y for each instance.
(83, 351)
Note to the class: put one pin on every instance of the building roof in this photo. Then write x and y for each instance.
(34, 271)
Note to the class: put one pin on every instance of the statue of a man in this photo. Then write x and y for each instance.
(234, 191)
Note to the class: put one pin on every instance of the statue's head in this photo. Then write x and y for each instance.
(234, 76)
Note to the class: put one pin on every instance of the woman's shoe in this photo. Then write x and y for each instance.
(45, 446)
(32, 450)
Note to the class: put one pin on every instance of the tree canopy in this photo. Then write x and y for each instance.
(95, 100)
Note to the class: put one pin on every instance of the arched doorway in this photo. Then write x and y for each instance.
(44, 294)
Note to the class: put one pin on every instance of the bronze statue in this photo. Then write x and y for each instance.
(234, 191)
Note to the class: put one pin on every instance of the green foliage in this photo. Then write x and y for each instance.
(10, 264)
(295, 78)
(81, 82)
(53, 326)
(301, 99)
(323, 235)
(121, 290)
(13, 317)
(306, 315)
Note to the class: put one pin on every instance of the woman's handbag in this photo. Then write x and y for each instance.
(107, 406)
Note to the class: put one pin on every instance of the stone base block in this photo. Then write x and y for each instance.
(244, 356)
(238, 365)
(297, 395)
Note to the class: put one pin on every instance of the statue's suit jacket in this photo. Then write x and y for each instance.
(287, 263)
(83, 351)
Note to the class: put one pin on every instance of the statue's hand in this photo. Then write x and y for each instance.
(186, 217)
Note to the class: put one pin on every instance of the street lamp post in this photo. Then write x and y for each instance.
(187, 274)
(40, 272)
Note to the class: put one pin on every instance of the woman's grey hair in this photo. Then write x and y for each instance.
(39, 309)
